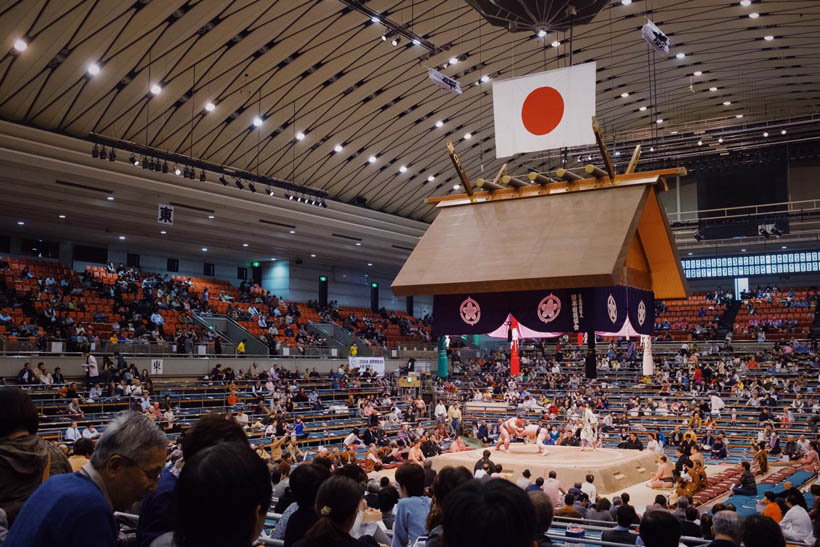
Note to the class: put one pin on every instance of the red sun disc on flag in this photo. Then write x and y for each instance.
(542, 110)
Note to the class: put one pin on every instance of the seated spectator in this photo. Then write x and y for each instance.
(73, 408)
(72, 433)
(413, 508)
(81, 453)
(304, 484)
(796, 524)
(727, 528)
(446, 481)
(772, 509)
(759, 531)
(537, 487)
(388, 498)
(600, 511)
(338, 506)
(237, 515)
(747, 485)
(90, 432)
(542, 506)
(660, 529)
(622, 533)
(568, 509)
(156, 510)
(494, 513)
(124, 467)
(688, 525)
(26, 460)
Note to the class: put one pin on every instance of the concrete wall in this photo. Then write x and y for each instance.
(181, 366)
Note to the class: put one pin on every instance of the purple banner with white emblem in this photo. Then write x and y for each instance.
(619, 310)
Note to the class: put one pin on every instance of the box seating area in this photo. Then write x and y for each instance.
(391, 331)
(684, 316)
(777, 316)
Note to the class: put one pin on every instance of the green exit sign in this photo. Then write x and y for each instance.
(255, 264)
(374, 285)
(322, 278)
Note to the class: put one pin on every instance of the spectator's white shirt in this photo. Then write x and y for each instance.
(589, 489)
(91, 366)
(441, 411)
(89, 434)
(73, 434)
(350, 439)
(797, 526)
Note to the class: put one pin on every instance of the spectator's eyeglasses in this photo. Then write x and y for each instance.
(152, 476)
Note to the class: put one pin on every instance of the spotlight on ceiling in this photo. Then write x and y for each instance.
(93, 69)
(337, 148)
(202, 175)
(396, 41)
(323, 204)
(112, 156)
(238, 182)
(177, 171)
(185, 172)
(95, 152)
(156, 89)
(541, 33)
(20, 45)
(223, 180)
(556, 43)
(144, 162)
(133, 159)
(165, 167)
(269, 191)
(251, 187)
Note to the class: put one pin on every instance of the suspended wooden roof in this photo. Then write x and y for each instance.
(589, 232)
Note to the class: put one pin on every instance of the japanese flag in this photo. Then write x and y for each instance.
(543, 111)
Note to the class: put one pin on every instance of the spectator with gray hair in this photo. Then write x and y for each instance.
(78, 508)
(727, 527)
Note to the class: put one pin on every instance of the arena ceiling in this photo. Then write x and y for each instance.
(319, 69)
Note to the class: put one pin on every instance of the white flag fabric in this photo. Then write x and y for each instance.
(544, 111)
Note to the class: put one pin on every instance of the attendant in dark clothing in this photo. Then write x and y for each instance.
(747, 485)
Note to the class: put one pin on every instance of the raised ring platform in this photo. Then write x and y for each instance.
(614, 469)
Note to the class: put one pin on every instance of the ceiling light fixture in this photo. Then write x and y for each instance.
(110, 198)
(396, 41)
(765, 133)
(700, 143)
(541, 33)
(720, 140)
(713, 89)
(768, 38)
(177, 171)
(269, 191)
(431, 178)
(244, 244)
(485, 78)
(93, 69)
(782, 131)
(122, 238)
(209, 106)
(20, 45)
(745, 3)
(642, 108)
(312, 255)
(680, 55)
(62, 216)
(292, 232)
(456, 186)
(556, 43)
(358, 244)
(300, 136)
(659, 121)
(372, 159)
(754, 15)
(624, 95)
(697, 73)
(402, 169)
(156, 89)
(416, 42)
(204, 249)
(257, 121)
(20, 222)
(375, 19)
(163, 232)
(211, 217)
(727, 103)
(439, 123)
(468, 136)
(626, 2)
(337, 148)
